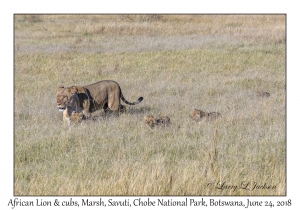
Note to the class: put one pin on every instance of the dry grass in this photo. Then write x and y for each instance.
(177, 63)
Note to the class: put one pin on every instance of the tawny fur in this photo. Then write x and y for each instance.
(76, 117)
(105, 95)
(71, 116)
(200, 115)
(161, 121)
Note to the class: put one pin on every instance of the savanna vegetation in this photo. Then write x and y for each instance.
(178, 63)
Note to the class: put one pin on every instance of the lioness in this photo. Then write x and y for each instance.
(69, 115)
(199, 115)
(105, 94)
(160, 121)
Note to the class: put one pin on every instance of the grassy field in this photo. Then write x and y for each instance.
(178, 63)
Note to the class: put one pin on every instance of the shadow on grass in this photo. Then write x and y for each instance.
(101, 115)
(138, 110)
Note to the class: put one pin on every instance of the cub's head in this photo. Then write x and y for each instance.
(198, 114)
(149, 120)
(66, 97)
(76, 117)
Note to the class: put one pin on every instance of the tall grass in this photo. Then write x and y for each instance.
(177, 63)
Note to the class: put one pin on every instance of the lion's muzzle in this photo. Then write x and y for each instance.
(61, 109)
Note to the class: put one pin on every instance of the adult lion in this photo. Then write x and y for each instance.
(105, 94)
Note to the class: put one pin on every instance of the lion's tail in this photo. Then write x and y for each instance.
(134, 103)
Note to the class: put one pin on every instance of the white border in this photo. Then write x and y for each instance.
(8, 9)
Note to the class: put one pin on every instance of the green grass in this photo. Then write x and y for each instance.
(177, 63)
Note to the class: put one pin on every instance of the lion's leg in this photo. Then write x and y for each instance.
(106, 109)
(67, 122)
(86, 114)
(114, 103)
(122, 109)
(66, 117)
(86, 108)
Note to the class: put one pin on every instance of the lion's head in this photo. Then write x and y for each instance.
(67, 97)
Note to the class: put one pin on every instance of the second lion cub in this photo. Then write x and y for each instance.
(161, 121)
(199, 115)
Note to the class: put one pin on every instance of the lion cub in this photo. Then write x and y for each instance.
(161, 121)
(262, 94)
(76, 117)
(72, 116)
(199, 115)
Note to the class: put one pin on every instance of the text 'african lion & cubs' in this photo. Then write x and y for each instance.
(105, 95)
(199, 115)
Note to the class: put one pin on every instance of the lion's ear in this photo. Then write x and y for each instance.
(60, 87)
(73, 89)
